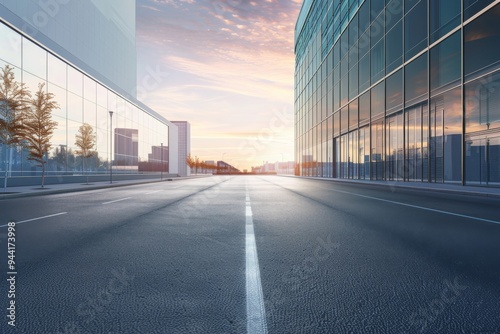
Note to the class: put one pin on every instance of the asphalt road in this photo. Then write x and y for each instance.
(249, 254)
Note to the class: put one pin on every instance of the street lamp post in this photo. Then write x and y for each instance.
(111, 147)
(161, 168)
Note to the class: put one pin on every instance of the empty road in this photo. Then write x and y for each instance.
(250, 254)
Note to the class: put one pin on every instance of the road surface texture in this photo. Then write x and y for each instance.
(250, 254)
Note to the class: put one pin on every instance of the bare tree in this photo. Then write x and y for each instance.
(14, 99)
(38, 126)
(85, 140)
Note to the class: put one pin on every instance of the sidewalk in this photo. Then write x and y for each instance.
(27, 191)
(436, 187)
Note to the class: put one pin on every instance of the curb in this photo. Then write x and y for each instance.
(401, 185)
(78, 189)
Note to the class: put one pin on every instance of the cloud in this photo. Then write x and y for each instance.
(230, 64)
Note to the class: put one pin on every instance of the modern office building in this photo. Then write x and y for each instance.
(184, 145)
(398, 90)
(84, 53)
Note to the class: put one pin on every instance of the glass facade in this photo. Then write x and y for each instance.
(137, 135)
(412, 90)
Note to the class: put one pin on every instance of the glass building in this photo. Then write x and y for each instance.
(34, 41)
(398, 90)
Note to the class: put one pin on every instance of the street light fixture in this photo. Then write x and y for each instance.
(161, 168)
(111, 147)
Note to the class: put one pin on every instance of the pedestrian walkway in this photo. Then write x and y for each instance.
(26, 191)
(439, 187)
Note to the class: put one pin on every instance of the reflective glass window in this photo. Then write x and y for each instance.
(364, 73)
(377, 6)
(446, 60)
(56, 71)
(57, 161)
(393, 13)
(336, 53)
(444, 16)
(471, 7)
(89, 113)
(102, 96)
(75, 81)
(111, 101)
(364, 16)
(60, 98)
(344, 43)
(34, 59)
(377, 30)
(102, 144)
(353, 31)
(58, 139)
(394, 47)
(353, 82)
(102, 118)
(364, 108)
(10, 44)
(416, 79)
(482, 42)
(72, 132)
(353, 114)
(344, 119)
(31, 81)
(377, 150)
(353, 55)
(378, 100)
(409, 4)
(450, 105)
(377, 61)
(344, 66)
(344, 90)
(336, 96)
(416, 30)
(89, 89)
(75, 107)
(364, 44)
(394, 92)
(482, 104)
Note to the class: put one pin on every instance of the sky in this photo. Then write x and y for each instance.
(226, 67)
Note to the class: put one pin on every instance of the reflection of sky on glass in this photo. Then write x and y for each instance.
(227, 67)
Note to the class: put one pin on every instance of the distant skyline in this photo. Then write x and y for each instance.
(225, 66)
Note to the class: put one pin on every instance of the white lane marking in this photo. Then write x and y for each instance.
(152, 192)
(117, 200)
(32, 219)
(420, 207)
(256, 313)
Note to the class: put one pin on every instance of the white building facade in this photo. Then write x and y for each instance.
(84, 53)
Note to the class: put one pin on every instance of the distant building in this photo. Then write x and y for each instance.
(283, 168)
(225, 168)
(184, 135)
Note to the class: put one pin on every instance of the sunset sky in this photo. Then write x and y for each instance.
(225, 66)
